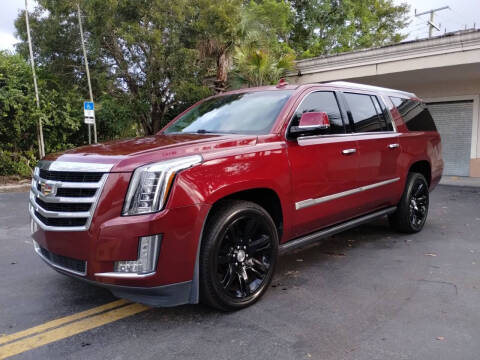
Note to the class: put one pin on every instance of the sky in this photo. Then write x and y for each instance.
(461, 13)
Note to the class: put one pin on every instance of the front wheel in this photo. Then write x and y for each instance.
(238, 255)
(412, 210)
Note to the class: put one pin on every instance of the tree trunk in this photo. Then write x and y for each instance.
(158, 116)
(222, 73)
(145, 123)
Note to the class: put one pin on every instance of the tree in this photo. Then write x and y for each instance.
(333, 26)
(219, 30)
(257, 67)
(140, 52)
(60, 112)
(263, 56)
(151, 58)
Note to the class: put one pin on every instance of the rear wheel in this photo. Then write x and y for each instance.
(412, 210)
(238, 255)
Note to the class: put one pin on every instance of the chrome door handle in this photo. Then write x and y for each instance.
(349, 151)
(393, 146)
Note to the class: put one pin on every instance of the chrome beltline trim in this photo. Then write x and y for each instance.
(59, 165)
(310, 202)
(52, 264)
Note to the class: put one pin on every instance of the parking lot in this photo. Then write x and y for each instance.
(368, 293)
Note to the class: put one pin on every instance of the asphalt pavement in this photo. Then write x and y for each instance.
(368, 293)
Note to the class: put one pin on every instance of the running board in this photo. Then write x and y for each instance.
(319, 235)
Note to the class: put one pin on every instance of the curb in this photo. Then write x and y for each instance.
(15, 188)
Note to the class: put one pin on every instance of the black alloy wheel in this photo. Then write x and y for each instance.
(238, 255)
(418, 206)
(412, 210)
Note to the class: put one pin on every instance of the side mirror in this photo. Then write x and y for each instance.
(311, 122)
(314, 120)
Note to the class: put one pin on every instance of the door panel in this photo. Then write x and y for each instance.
(320, 173)
(378, 167)
(378, 151)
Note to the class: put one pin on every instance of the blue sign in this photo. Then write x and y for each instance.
(88, 105)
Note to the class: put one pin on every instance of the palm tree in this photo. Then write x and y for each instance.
(255, 66)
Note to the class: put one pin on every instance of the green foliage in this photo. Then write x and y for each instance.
(254, 67)
(140, 52)
(16, 164)
(61, 111)
(263, 56)
(114, 119)
(332, 26)
(150, 55)
(18, 113)
(149, 59)
(273, 18)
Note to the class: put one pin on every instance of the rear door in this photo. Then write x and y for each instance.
(378, 150)
(324, 166)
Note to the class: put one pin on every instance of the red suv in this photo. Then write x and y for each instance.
(201, 210)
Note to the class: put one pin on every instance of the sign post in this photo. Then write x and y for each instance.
(89, 114)
(88, 78)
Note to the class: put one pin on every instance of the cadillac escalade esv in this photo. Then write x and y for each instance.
(201, 210)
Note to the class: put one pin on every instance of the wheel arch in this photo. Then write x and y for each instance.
(263, 196)
(423, 167)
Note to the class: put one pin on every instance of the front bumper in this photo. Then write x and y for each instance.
(173, 282)
(112, 237)
(158, 296)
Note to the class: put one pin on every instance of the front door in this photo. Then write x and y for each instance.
(324, 167)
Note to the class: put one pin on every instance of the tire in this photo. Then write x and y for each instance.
(238, 255)
(412, 210)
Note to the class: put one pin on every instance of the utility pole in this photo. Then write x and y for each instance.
(41, 145)
(88, 76)
(431, 24)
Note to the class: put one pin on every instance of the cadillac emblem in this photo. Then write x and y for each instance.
(47, 189)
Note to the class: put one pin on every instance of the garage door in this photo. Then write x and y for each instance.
(454, 123)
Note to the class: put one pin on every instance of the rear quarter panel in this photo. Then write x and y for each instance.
(417, 146)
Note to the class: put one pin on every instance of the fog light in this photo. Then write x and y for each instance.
(148, 247)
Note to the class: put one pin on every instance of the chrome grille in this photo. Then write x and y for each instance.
(64, 195)
(66, 176)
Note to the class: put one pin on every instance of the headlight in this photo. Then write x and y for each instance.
(150, 184)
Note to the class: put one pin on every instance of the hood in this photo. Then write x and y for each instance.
(126, 155)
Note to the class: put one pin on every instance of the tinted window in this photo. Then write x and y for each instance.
(386, 114)
(364, 113)
(324, 101)
(415, 114)
(244, 113)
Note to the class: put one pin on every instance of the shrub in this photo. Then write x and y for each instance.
(16, 164)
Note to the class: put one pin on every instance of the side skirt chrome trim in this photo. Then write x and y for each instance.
(310, 202)
(319, 235)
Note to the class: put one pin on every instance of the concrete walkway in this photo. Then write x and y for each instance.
(460, 181)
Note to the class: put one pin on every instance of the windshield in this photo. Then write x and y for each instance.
(245, 113)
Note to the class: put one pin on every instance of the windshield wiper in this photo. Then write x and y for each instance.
(203, 131)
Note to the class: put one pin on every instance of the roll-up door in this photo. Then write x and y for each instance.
(454, 123)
